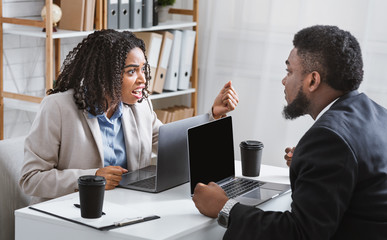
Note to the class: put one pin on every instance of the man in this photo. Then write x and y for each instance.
(338, 170)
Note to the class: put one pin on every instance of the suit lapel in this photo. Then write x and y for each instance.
(96, 132)
(132, 138)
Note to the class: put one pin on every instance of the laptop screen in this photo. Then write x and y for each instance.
(211, 152)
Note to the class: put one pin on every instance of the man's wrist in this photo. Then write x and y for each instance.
(224, 214)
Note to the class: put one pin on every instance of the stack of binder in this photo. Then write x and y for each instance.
(125, 14)
(170, 55)
(175, 113)
(180, 63)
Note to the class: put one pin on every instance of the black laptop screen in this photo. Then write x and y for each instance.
(211, 152)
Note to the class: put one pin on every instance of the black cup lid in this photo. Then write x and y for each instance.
(251, 144)
(91, 180)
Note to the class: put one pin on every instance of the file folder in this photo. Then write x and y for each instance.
(147, 13)
(162, 65)
(153, 45)
(172, 77)
(187, 49)
(123, 14)
(116, 216)
(112, 14)
(135, 14)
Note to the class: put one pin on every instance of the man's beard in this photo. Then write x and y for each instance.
(298, 107)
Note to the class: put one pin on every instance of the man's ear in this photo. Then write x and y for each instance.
(314, 81)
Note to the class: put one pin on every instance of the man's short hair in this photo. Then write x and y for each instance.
(334, 53)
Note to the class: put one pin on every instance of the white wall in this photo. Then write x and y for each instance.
(248, 41)
(24, 66)
(19, 59)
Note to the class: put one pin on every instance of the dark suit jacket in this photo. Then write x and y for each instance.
(338, 177)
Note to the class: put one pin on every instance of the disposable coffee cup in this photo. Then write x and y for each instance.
(251, 156)
(91, 195)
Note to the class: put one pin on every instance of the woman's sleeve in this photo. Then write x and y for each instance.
(39, 174)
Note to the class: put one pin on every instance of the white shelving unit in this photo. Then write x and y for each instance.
(60, 34)
(172, 94)
(33, 107)
(33, 28)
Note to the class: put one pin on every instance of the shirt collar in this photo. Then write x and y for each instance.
(326, 109)
(117, 113)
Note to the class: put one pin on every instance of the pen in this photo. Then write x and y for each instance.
(130, 221)
(79, 206)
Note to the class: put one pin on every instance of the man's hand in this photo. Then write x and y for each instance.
(209, 199)
(225, 102)
(112, 174)
(289, 155)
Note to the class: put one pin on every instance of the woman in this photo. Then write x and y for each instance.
(97, 120)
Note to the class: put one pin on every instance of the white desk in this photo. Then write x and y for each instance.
(179, 217)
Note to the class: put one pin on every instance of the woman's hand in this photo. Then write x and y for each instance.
(112, 174)
(225, 102)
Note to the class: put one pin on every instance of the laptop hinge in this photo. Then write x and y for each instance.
(225, 180)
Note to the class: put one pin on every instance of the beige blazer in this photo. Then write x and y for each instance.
(64, 144)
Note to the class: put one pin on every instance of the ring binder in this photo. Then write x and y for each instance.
(123, 14)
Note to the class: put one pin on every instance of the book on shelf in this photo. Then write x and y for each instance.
(77, 15)
(72, 15)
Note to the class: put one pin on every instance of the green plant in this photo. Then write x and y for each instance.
(164, 3)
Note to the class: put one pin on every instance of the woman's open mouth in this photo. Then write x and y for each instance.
(137, 93)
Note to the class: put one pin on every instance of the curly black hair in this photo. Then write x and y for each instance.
(94, 69)
(334, 53)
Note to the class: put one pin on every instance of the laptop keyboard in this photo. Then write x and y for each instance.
(145, 183)
(239, 186)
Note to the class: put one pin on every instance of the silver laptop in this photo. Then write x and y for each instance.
(171, 167)
(211, 158)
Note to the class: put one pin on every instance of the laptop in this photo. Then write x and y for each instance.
(171, 167)
(211, 158)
